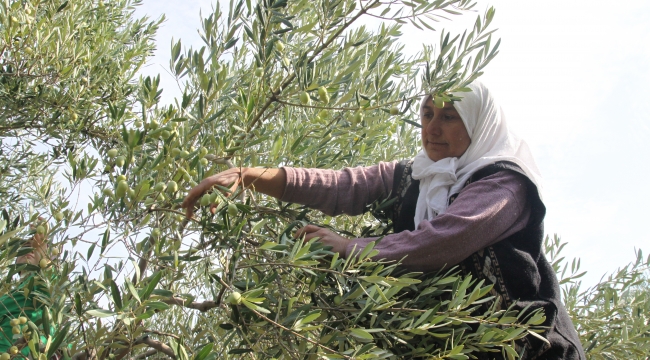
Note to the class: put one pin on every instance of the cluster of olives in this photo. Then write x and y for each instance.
(18, 326)
(113, 154)
(122, 187)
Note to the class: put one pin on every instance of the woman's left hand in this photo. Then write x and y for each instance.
(338, 243)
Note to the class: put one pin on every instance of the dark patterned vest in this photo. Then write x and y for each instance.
(516, 266)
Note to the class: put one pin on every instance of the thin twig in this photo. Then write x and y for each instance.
(201, 306)
(162, 333)
(349, 108)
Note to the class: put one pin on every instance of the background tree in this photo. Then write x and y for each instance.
(296, 83)
(612, 317)
(63, 64)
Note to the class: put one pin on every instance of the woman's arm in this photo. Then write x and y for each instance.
(484, 213)
(333, 192)
(336, 192)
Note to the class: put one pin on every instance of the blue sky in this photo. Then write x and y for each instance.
(572, 77)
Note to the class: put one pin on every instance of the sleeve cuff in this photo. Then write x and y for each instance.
(290, 183)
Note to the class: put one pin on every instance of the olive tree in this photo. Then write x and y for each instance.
(277, 83)
(63, 64)
(611, 317)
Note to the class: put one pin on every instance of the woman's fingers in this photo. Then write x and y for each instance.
(195, 193)
(227, 178)
(308, 230)
(327, 237)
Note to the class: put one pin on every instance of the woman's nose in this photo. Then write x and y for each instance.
(433, 127)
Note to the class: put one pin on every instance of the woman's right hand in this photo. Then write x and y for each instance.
(230, 178)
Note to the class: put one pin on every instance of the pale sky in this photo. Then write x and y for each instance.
(572, 78)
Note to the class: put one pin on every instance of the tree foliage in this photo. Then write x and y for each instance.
(63, 64)
(277, 83)
(612, 317)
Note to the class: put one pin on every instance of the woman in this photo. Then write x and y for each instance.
(474, 194)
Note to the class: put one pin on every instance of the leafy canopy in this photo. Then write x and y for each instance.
(91, 148)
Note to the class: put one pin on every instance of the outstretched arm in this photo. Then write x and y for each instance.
(336, 192)
(333, 192)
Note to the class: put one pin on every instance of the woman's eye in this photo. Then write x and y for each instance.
(428, 116)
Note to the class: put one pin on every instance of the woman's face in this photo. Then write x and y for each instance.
(443, 131)
(37, 242)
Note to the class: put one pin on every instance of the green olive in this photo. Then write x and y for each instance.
(232, 209)
(119, 161)
(234, 298)
(121, 189)
(358, 117)
(438, 102)
(394, 110)
(172, 186)
(338, 299)
(112, 153)
(323, 94)
(304, 98)
(155, 233)
(259, 71)
(205, 200)
(160, 186)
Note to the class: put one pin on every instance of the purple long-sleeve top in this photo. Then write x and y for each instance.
(485, 212)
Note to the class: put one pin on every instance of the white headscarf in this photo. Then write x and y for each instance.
(491, 142)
